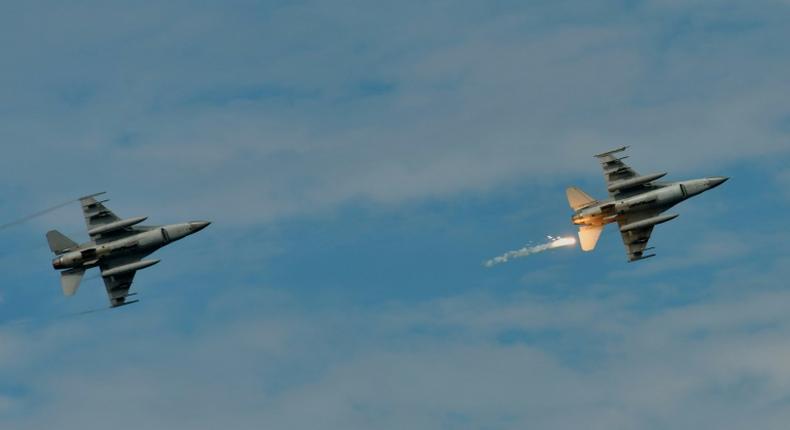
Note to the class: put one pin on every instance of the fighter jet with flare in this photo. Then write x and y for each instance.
(636, 203)
(117, 247)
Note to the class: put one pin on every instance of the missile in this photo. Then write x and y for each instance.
(131, 267)
(117, 225)
(130, 302)
(614, 151)
(92, 195)
(635, 182)
(643, 257)
(647, 222)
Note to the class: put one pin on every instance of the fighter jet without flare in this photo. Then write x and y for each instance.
(117, 247)
(636, 203)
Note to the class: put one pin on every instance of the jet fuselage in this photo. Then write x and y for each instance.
(91, 254)
(660, 199)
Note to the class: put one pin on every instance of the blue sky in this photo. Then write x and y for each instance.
(360, 160)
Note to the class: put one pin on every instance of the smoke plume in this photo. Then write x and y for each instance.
(35, 215)
(554, 243)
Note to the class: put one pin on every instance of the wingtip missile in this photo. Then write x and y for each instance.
(120, 305)
(90, 196)
(613, 151)
(640, 258)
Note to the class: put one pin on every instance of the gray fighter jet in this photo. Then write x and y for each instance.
(636, 203)
(117, 247)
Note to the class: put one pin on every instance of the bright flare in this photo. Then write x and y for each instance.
(554, 243)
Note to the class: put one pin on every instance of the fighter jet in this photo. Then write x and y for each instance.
(636, 203)
(117, 247)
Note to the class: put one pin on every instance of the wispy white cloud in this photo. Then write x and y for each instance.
(248, 113)
(241, 104)
(466, 361)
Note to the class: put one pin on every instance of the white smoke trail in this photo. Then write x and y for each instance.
(554, 243)
(36, 215)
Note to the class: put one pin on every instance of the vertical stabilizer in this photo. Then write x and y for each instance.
(578, 199)
(589, 235)
(70, 281)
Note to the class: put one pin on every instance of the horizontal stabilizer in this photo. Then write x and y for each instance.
(70, 281)
(578, 199)
(58, 243)
(588, 236)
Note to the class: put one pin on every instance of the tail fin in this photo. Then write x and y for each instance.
(589, 235)
(59, 243)
(578, 199)
(70, 281)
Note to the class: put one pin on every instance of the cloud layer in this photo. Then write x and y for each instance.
(470, 361)
(297, 107)
(319, 134)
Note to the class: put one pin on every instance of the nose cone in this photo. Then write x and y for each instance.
(196, 226)
(717, 180)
